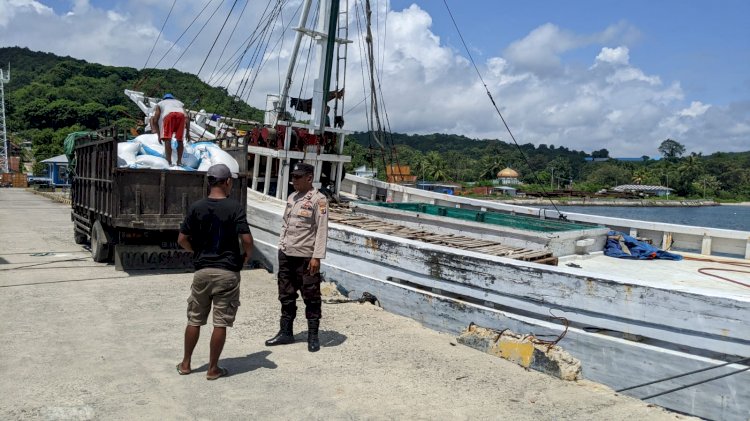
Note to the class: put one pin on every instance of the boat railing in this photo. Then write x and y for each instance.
(702, 240)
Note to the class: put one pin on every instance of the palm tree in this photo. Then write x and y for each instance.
(435, 166)
(639, 176)
(491, 166)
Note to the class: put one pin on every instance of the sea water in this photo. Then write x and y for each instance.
(727, 217)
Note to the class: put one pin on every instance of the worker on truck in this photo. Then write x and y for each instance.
(170, 119)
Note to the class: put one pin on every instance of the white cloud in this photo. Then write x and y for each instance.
(696, 109)
(619, 55)
(428, 87)
(10, 8)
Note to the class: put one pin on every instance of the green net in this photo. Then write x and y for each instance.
(522, 222)
(69, 146)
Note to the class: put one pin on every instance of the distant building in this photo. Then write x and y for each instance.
(640, 188)
(399, 174)
(626, 159)
(363, 171)
(446, 188)
(504, 190)
(57, 170)
(507, 176)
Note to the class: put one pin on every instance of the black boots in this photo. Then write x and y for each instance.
(313, 344)
(285, 335)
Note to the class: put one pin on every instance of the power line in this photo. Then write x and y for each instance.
(196, 35)
(210, 50)
(183, 32)
(159, 36)
(523, 155)
(229, 39)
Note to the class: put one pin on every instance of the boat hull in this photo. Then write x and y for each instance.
(447, 289)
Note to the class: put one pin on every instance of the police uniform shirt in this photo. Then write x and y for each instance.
(304, 227)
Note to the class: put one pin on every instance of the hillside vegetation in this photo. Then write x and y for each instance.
(441, 157)
(50, 96)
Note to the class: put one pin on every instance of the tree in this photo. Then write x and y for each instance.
(689, 170)
(708, 184)
(671, 149)
(609, 175)
(601, 153)
(435, 167)
(639, 176)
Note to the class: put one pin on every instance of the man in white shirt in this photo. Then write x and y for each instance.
(170, 119)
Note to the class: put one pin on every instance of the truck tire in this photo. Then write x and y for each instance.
(99, 243)
(79, 238)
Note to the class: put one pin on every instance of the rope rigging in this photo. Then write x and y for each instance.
(183, 33)
(159, 36)
(231, 34)
(263, 39)
(497, 110)
(210, 50)
(246, 44)
(197, 34)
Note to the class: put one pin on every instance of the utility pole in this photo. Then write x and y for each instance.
(4, 78)
(552, 178)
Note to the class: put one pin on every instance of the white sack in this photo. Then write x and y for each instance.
(216, 156)
(150, 146)
(205, 162)
(190, 157)
(149, 161)
(127, 151)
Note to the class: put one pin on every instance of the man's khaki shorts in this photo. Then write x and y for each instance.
(218, 286)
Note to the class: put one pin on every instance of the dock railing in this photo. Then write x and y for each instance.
(702, 240)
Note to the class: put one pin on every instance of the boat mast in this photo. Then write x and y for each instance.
(322, 87)
(325, 37)
(301, 30)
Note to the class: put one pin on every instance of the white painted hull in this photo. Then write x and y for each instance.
(446, 289)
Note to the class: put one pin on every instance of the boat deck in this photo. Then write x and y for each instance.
(342, 215)
(693, 274)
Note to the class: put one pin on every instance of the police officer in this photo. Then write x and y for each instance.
(304, 233)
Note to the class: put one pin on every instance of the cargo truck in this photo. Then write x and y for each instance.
(132, 215)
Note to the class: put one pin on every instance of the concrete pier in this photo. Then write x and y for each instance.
(82, 341)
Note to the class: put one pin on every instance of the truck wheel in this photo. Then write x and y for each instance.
(99, 245)
(79, 238)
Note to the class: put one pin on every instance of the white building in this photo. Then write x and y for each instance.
(366, 173)
(641, 188)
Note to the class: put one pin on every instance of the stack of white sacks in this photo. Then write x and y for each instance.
(145, 151)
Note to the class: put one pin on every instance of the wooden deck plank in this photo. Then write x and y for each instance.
(451, 240)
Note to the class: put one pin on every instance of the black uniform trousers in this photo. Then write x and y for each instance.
(293, 277)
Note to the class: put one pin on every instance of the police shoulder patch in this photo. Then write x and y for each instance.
(323, 206)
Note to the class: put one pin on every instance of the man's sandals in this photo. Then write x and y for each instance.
(223, 372)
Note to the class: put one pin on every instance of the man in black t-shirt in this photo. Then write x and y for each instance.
(210, 231)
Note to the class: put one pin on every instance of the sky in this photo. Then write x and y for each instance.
(584, 74)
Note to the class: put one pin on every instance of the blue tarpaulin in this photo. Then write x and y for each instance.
(626, 247)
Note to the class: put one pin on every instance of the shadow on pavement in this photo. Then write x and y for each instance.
(240, 365)
(328, 338)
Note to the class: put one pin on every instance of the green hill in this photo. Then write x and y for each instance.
(49, 96)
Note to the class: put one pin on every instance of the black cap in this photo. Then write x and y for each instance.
(220, 172)
(303, 169)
